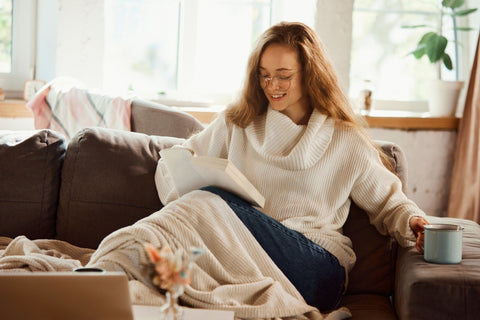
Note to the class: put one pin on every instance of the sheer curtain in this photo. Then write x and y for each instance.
(465, 186)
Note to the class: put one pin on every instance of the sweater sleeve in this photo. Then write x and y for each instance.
(211, 141)
(379, 192)
(166, 189)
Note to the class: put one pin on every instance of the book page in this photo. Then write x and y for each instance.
(222, 173)
(190, 173)
(185, 177)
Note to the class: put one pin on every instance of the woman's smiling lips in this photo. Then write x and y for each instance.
(276, 97)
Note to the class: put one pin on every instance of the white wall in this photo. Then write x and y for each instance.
(334, 27)
(429, 156)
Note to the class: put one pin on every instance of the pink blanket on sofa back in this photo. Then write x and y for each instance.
(68, 108)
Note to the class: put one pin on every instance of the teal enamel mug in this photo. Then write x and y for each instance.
(443, 243)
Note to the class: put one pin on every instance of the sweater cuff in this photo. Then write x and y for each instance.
(164, 183)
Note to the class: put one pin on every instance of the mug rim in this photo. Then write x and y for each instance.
(443, 227)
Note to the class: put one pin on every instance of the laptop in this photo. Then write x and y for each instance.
(64, 295)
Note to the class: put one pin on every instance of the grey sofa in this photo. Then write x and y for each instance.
(103, 180)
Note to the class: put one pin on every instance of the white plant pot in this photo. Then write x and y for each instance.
(443, 97)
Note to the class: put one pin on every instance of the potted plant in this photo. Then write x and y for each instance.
(433, 44)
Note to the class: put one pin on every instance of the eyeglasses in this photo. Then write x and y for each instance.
(283, 82)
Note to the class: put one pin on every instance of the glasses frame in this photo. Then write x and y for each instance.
(264, 81)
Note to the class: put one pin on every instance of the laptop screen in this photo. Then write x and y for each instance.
(65, 295)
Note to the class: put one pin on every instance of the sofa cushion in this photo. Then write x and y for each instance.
(369, 307)
(30, 167)
(107, 183)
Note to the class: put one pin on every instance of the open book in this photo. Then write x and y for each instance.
(190, 173)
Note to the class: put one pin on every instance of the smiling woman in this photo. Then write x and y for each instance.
(281, 81)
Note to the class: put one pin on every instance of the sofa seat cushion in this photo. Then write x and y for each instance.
(440, 291)
(369, 306)
(30, 169)
(107, 183)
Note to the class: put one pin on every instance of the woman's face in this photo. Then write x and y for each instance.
(280, 77)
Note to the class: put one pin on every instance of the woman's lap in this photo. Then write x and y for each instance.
(314, 271)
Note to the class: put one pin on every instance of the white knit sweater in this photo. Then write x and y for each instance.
(309, 174)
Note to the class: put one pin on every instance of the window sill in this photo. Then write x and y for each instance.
(12, 108)
(376, 119)
(410, 121)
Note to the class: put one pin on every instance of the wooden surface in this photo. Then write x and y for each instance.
(413, 123)
(390, 120)
(14, 109)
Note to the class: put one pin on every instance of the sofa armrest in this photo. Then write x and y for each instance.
(435, 291)
(398, 159)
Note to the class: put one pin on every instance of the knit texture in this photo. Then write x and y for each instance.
(309, 174)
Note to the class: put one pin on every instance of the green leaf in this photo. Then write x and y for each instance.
(463, 12)
(463, 29)
(427, 36)
(419, 51)
(415, 26)
(447, 61)
(453, 3)
(435, 47)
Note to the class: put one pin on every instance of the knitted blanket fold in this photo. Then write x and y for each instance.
(234, 273)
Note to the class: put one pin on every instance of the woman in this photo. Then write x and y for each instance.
(295, 137)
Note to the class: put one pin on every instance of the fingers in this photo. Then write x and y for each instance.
(419, 244)
(417, 223)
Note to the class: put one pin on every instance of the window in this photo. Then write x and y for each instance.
(193, 49)
(16, 43)
(5, 36)
(381, 47)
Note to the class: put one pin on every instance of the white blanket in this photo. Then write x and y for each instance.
(234, 273)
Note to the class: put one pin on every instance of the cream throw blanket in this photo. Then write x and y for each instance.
(234, 273)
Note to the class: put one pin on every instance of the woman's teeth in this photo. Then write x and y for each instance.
(276, 96)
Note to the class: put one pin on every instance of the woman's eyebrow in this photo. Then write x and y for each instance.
(279, 69)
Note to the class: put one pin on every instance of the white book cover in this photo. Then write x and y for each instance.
(191, 172)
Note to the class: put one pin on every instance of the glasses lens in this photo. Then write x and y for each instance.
(282, 82)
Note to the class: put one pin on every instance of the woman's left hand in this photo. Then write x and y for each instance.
(416, 224)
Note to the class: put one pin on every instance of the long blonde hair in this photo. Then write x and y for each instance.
(319, 80)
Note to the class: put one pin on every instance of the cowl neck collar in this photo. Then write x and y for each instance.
(287, 145)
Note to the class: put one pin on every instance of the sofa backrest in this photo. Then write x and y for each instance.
(107, 183)
(156, 119)
(30, 167)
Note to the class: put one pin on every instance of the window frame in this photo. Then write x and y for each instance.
(462, 61)
(23, 47)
